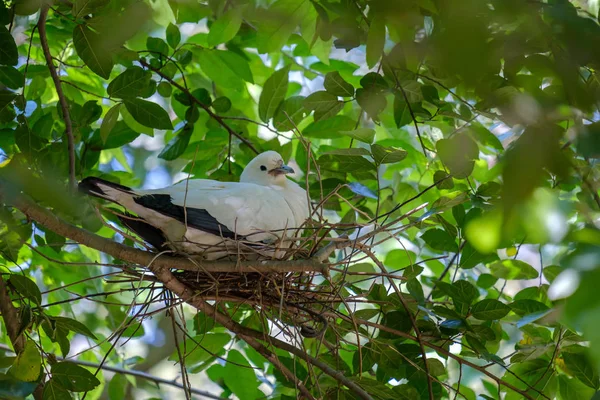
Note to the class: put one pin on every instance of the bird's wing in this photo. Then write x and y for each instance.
(227, 209)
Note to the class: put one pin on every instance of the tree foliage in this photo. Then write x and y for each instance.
(453, 146)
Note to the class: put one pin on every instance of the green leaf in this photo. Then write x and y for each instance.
(91, 49)
(580, 366)
(226, 68)
(273, 93)
(416, 290)
(9, 54)
(412, 90)
(81, 8)
(402, 114)
(573, 389)
(54, 391)
(324, 104)
(552, 271)
(375, 388)
(279, 22)
(148, 113)
(74, 326)
(289, 114)
(178, 144)
(26, 288)
(489, 309)
(527, 306)
(225, 27)
(164, 89)
(336, 85)
(11, 77)
(443, 180)
(73, 377)
(387, 155)
(440, 240)
(372, 101)
(221, 104)
(375, 40)
(345, 163)
(458, 154)
(239, 376)
(28, 364)
(119, 136)
(157, 47)
(109, 121)
(329, 128)
(513, 269)
(117, 387)
(365, 135)
(131, 83)
(173, 36)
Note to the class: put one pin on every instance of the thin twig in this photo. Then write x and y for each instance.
(201, 105)
(61, 96)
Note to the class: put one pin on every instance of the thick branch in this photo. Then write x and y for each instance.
(135, 256)
(11, 318)
(201, 105)
(61, 96)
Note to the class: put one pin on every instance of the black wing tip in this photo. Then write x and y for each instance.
(90, 186)
(149, 233)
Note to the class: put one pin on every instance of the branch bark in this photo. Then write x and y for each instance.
(11, 318)
(135, 256)
(13, 326)
(61, 96)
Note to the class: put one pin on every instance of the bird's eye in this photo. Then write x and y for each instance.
(263, 168)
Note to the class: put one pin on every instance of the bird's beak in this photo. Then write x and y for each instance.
(284, 169)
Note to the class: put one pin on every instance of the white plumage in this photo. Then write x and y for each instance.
(214, 218)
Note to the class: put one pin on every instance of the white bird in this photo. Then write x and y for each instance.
(215, 219)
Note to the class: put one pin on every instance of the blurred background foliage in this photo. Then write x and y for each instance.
(485, 111)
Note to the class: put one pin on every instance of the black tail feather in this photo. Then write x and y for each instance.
(90, 186)
(144, 230)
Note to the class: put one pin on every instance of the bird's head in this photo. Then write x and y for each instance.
(266, 169)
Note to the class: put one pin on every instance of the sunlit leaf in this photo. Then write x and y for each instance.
(273, 93)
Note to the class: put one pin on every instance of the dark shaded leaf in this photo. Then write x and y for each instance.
(26, 287)
(173, 36)
(148, 113)
(489, 309)
(178, 144)
(131, 83)
(11, 77)
(581, 367)
(73, 377)
(91, 48)
(8, 48)
(81, 8)
(336, 85)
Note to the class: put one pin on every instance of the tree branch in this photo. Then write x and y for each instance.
(135, 256)
(11, 318)
(201, 105)
(61, 96)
